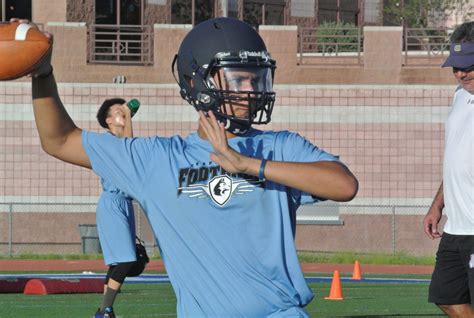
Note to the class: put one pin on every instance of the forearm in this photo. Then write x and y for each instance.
(438, 201)
(433, 216)
(325, 179)
(127, 129)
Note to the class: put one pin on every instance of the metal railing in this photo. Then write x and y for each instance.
(316, 45)
(390, 215)
(44, 227)
(40, 228)
(120, 44)
(425, 46)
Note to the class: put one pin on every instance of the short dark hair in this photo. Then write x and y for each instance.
(103, 111)
(463, 33)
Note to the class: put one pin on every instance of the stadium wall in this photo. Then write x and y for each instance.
(391, 137)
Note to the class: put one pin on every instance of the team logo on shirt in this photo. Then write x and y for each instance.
(220, 188)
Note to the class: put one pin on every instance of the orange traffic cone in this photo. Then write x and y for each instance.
(356, 274)
(336, 291)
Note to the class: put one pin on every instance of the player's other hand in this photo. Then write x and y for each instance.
(45, 67)
(431, 222)
(126, 110)
(222, 154)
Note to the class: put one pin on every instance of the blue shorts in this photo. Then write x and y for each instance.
(116, 227)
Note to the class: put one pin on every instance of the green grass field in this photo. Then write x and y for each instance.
(158, 300)
(400, 258)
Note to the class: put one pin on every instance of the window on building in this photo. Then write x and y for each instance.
(181, 12)
(267, 12)
(124, 12)
(274, 14)
(130, 12)
(253, 13)
(105, 12)
(204, 10)
(372, 11)
(118, 35)
(16, 9)
(340, 11)
(192, 12)
(233, 9)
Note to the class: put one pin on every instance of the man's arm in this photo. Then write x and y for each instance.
(432, 218)
(58, 134)
(127, 128)
(324, 179)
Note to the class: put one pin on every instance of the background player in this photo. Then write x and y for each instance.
(115, 215)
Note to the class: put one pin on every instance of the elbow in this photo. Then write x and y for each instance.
(50, 148)
(348, 189)
(46, 148)
(352, 188)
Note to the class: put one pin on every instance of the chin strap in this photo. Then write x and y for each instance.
(232, 126)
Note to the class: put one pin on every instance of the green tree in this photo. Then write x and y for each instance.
(337, 37)
(423, 13)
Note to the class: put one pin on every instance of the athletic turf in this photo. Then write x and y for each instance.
(158, 300)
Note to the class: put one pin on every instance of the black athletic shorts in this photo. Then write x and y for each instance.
(452, 282)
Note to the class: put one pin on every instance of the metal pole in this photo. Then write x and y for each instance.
(4, 15)
(359, 58)
(10, 231)
(225, 8)
(139, 220)
(193, 11)
(405, 44)
(142, 11)
(300, 43)
(118, 23)
(394, 238)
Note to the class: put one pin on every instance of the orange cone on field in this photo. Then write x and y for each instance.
(336, 290)
(356, 274)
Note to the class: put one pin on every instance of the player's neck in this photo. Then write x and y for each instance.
(117, 131)
(202, 134)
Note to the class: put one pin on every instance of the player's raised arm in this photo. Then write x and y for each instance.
(28, 52)
(58, 134)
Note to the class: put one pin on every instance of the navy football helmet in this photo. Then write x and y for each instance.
(223, 65)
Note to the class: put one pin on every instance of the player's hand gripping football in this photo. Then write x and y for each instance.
(45, 67)
(223, 155)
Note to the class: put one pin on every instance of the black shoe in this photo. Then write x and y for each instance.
(108, 312)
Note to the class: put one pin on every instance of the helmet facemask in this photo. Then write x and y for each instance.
(242, 94)
(237, 87)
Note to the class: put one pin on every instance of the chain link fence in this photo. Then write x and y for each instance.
(69, 228)
(57, 228)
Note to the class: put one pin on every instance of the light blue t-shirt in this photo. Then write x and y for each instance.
(227, 240)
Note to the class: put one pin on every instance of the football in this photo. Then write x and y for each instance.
(22, 49)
